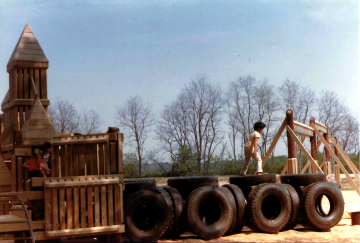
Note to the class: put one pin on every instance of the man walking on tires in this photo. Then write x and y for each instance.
(250, 149)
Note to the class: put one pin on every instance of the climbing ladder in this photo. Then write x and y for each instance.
(13, 219)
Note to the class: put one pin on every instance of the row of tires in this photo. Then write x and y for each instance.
(199, 205)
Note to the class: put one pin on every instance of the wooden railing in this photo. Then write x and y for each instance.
(80, 155)
(86, 205)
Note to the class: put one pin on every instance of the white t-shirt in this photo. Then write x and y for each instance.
(250, 142)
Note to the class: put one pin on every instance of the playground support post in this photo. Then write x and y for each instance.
(291, 161)
(313, 147)
(336, 166)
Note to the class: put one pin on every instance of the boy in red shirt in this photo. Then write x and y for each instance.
(34, 165)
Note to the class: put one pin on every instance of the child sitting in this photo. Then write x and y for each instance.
(34, 165)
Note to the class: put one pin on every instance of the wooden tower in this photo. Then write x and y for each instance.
(27, 81)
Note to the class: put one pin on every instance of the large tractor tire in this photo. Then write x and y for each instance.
(209, 212)
(297, 180)
(315, 214)
(185, 185)
(240, 206)
(269, 207)
(147, 216)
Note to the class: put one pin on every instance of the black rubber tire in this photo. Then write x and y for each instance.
(179, 222)
(240, 206)
(302, 192)
(303, 179)
(195, 203)
(135, 185)
(252, 180)
(313, 210)
(295, 203)
(185, 185)
(147, 216)
(282, 207)
(233, 208)
(169, 202)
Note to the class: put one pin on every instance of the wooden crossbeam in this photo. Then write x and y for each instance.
(306, 153)
(347, 159)
(327, 146)
(272, 145)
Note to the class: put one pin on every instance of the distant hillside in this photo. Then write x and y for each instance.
(154, 167)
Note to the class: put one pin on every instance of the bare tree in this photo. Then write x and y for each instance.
(64, 116)
(136, 118)
(172, 130)
(90, 122)
(204, 103)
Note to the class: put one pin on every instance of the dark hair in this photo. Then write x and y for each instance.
(259, 125)
(47, 145)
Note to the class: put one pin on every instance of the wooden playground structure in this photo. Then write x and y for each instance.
(318, 134)
(83, 196)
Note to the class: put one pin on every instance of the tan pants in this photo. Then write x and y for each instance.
(248, 155)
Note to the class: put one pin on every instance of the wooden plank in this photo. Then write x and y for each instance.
(39, 181)
(20, 173)
(75, 160)
(62, 161)
(88, 159)
(103, 206)
(48, 201)
(306, 153)
(121, 185)
(90, 207)
(21, 83)
(292, 166)
(97, 205)
(55, 220)
(82, 159)
(347, 160)
(43, 79)
(56, 166)
(24, 102)
(83, 206)
(13, 173)
(26, 195)
(80, 140)
(107, 157)
(2, 207)
(120, 153)
(16, 85)
(82, 183)
(76, 207)
(101, 159)
(6, 208)
(272, 145)
(94, 159)
(62, 208)
(117, 200)
(37, 81)
(113, 158)
(305, 167)
(110, 204)
(26, 84)
(23, 152)
(337, 160)
(36, 225)
(86, 231)
(31, 77)
(69, 207)
(69, 159)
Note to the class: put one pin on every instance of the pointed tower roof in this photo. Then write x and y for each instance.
(27, 49)
(38, 128)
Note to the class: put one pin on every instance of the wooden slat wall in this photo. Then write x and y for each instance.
(74, 207)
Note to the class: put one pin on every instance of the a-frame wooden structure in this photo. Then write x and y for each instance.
(318, 134)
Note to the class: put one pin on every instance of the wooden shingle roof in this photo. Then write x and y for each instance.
(28, 49)
(38, 128)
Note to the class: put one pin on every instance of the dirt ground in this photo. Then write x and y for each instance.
(343, 232)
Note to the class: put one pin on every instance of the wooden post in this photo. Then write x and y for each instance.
(336, 167)
(292, 162)
(327, 153)
(313, 147)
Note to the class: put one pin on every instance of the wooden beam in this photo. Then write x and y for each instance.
(347, 159)
(337, 160)
(272, 145)
(34, 87)
(6, 133)
(23, 102)
(313, 162)
(80, 183)
(303, 129)
(305, 167)
(284, 170)
(26, 195)
(290, 139)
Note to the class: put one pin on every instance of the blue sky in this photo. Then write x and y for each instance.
(103, 52)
